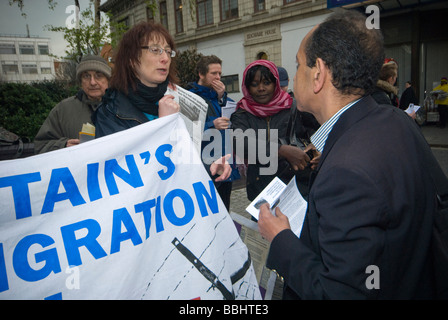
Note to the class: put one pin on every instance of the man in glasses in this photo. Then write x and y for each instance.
(63, 124)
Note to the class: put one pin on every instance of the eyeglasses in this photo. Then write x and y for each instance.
(97, 76)
(158, 51)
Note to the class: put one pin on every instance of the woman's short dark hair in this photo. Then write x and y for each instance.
(265, 73)
(130, 51)
(353, 53)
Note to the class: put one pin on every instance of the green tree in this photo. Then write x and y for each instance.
(186, 66)
(90, 32)
(20, 5)
(87, 36)
(23, 108)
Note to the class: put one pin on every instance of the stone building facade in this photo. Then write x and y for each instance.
(241, 31)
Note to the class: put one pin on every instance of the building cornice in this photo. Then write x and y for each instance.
(252, 21)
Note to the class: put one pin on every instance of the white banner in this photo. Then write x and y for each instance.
(133, 215)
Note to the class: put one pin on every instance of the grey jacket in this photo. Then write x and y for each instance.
(64, 122)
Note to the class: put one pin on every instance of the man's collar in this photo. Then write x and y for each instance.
(320, 136)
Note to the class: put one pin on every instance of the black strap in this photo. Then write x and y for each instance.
(206, 272)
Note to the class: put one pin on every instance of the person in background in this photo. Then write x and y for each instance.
(301, 126)
(442, 102)
(368, 226)
(385, 91)
(306, 125)
(210, 87)
(143, 71)
(408, 96)
(62, 126)
(264, 108)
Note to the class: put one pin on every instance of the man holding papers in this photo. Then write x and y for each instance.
(369, 220)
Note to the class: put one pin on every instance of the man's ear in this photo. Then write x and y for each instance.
(320, 75)
(201, 77)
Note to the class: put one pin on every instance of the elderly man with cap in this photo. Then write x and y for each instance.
(442, 101)
(63, 124)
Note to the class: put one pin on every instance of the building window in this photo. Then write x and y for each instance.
(124, 22)
(7, 48)
(259, 5)
(262, 56)
(229, 9)
(163, 14)
(26, 49)
(149, 15)
(178, 15)
(290, 1)
(231, 83)
(205, 12)
(45, 70)
(10, 67)
(29, 68)
(43, 49)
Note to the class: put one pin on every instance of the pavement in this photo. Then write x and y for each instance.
(436, 137)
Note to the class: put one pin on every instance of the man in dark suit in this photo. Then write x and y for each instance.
(368, 224)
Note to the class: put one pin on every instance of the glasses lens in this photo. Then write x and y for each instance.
(158, 51)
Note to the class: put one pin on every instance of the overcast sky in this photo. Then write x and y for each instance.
(38, 15)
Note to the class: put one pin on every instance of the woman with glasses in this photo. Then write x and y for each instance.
(143, 71)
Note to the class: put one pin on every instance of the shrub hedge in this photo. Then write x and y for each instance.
(24, 107)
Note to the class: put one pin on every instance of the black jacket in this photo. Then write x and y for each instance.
(116, 113)
(368, 206)
(241, 119)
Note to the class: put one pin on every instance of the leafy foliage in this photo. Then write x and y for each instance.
(24, 107)
(86, 37)
(186, 66)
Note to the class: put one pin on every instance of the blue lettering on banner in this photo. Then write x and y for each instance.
(121, 216)
(165, 160)
(133, 178)
(72, 244)
(19, 184)
(61, 176)
(160, 210)
(169, 209)
(21, 192)
(93, 183)
(3, 275)
(50, 256)
(201, 194)
(145, 209)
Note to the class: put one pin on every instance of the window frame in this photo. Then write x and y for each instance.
(178, 15)
(232, 83)
(23, 48)
(8, 46)
(229, 12)
(208, 17)
(256, 3)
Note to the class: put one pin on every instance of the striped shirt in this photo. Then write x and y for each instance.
(319, 138)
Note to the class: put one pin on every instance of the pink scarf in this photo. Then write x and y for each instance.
(280, 101)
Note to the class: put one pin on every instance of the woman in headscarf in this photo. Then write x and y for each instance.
(143, 71)
(266, 109)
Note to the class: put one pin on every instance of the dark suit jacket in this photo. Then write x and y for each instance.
(371, 203)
